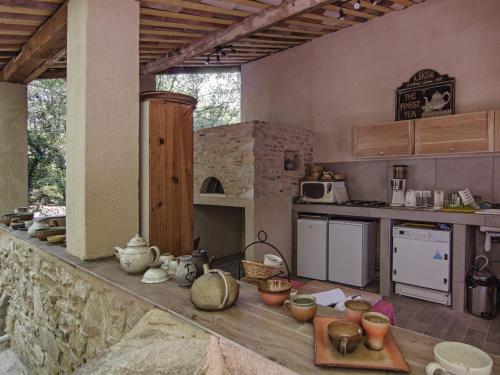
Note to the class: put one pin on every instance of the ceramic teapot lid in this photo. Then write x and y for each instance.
(137, 241)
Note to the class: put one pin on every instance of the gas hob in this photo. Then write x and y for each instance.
(362, 203)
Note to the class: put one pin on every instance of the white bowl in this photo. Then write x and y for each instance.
(272, 260)
(155, 275)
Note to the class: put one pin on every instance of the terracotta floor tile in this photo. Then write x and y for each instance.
(479, 324)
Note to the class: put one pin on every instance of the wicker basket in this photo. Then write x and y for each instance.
(258, 270)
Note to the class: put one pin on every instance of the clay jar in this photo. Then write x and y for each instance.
(215, 290)
(376, 326)
(186, 271)
(354, 309)
(301, 306)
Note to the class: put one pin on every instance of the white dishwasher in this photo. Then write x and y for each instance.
(312, 243)
(421, 260)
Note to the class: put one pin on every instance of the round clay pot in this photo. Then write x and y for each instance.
(302, 307)
(275, 292)
(354, 309)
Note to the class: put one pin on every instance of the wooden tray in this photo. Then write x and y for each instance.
(389, 358)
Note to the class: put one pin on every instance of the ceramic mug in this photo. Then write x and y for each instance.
(345, 336)
(376, 326)
(166, 258)
(354, 309)
(301, 306)
(459, 359)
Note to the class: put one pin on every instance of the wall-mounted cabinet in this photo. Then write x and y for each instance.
(383, 140)
(455, 134)
(470, 132)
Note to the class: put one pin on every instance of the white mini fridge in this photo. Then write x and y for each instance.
(351, 252)
(312, 244)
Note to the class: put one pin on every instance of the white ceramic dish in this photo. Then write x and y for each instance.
(459, 359)
(155, 275)
(272, 260)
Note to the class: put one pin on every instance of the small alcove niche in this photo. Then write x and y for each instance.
(212, 186)
(292, 160)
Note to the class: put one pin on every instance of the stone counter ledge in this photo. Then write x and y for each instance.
(63, 317)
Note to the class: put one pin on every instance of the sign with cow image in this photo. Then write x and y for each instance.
(426, 94)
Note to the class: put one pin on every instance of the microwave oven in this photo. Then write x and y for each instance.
(317, 191)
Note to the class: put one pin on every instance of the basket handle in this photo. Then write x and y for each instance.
(262, 239)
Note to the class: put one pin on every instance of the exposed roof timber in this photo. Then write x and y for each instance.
(252, 24)
(45, 44)
(45, 66)
(203, 69)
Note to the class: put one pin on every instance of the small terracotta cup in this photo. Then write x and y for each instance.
(275, 292)
(376, 326)
(301, 306)
(354, 309)
(345, 336)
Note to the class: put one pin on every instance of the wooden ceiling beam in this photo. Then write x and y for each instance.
(252, 24)
(45, 44)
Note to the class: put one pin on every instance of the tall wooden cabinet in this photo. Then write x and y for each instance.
(166, 171)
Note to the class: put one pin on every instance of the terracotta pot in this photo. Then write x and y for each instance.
(376, 326)
(354, 309)
(301, 306)
(275, 292)
(345, 335)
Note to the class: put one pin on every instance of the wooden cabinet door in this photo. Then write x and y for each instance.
(386, 139)
(171, 177)
(470, 132)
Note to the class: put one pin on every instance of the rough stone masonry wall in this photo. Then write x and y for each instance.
(226, 153)
(248, 158)
(272, 143)
(58, 316)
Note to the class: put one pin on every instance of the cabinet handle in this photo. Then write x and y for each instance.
(452, 148)
(381, 152)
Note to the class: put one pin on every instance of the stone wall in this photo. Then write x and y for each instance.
(248, 158)
(226, 153)
(59, 317)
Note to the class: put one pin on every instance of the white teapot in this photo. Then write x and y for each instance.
(137, 256)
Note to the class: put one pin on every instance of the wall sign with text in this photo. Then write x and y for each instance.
(426, 94)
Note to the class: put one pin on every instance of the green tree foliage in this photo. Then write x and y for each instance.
(218, 95)
(47, 140)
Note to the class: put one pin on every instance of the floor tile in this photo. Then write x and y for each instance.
(491, 347)
(479, 324)
(475, 337)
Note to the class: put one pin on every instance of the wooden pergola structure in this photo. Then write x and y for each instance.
(111, 50)
(181, 35)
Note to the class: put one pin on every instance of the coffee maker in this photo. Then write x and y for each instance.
(398, 185)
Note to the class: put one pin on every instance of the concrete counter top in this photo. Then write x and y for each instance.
(269, 332)
(399, 213)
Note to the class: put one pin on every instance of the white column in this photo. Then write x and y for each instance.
(13, 147)
(102, 126)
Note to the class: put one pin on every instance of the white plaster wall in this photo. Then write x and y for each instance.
(350, 77)
(13, 146)
(102, 125)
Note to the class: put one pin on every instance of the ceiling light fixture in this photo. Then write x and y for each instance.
(341, 15)
(357, 5)
(218, 52)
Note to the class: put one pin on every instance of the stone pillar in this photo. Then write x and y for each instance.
(13, 146)
(102, 126)
(147, 83)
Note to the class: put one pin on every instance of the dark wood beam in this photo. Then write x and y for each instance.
(203, 69)
(42, 47)
(252, 24)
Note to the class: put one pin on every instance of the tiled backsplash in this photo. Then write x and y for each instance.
(370, 180)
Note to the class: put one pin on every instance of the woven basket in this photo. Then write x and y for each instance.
(258, 270)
